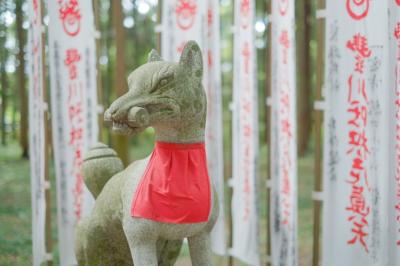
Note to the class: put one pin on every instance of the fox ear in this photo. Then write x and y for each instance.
(192, 60)
(154, 56)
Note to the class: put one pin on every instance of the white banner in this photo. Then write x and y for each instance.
(74, 111)
(355, 227)
(185, 20)
(36, 132)
(394, 116)
(283, 135)
(245, 137)
(214, 131)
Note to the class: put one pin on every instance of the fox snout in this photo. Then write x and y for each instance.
(136, 117)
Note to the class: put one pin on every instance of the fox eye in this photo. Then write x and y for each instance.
(162, 85)
(163, 82)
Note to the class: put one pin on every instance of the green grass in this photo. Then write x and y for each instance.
(15, 211)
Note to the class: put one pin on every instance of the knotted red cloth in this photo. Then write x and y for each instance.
(175, 187)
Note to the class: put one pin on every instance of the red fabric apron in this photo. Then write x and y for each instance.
(175, 187)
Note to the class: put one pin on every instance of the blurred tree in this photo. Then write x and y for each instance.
(3, 74)
(304, 91)
(121, 143)
(21, 80)
(106, 27)
(96, 10)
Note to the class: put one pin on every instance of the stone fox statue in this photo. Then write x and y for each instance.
(143, 212)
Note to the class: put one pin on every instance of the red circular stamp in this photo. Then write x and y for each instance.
(70, 16)
(245, 13)
(185, 12)
(283, 6)
(358, 9)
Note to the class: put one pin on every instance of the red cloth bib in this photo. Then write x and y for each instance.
(175, 187)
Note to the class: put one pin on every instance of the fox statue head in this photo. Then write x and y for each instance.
(166, 96)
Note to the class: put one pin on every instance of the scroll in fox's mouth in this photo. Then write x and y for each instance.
(136, 120)
(135, 116)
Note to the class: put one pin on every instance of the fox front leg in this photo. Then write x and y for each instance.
(200, 252)
(144, 253)
(142, 240)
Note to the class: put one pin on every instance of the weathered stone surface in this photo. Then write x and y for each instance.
(170, 98)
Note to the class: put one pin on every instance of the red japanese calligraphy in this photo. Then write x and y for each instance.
(397, 31)
(70, 16)
(246, 127)
(357, 9)
(397, 119)
(210, 60)
(75, 118)
(210, 22)
(246, 56)
(209, 17)
(286, 136)
(247, 173)
(285, 126)
(36, 67)
(185, 13)
(285, 43)
(72, 58)
(358, 149)
(359, 45)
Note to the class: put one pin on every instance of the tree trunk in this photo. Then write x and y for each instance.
(4, 99)
(107, 39)
(121, 143)
(304, 92)
(96, 9)
(3, 78)
(14, 104)
(23, 101)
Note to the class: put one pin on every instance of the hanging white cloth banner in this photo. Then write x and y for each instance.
(214, 132)
(245, 137)
(74, 111)
(394, 117)
(283, 135)
(36, 132)
(185, 20)
(355, 227)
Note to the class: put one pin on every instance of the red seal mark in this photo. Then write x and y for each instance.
(185, 12)
(283, 7)
(398, 2)
(245, 7)
(70, 16)
(245, 12)
(358, 9)
(35, 6)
